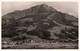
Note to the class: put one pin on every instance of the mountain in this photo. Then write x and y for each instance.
(43, 8)
(42, 21)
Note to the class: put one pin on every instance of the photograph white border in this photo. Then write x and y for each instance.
(40, 1)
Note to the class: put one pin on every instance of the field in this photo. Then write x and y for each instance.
(42, 46)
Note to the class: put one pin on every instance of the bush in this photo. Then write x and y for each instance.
(39, 33)
(19, 38)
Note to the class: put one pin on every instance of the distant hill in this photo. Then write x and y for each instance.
(42, 21)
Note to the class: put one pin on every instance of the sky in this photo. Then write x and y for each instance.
(65, 7)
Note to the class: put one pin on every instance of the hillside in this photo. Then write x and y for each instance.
(42, 21)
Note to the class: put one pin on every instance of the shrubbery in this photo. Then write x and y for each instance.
(39, 33)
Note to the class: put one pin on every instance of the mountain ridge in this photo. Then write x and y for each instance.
(42, 18)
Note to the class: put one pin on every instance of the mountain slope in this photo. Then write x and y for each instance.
(49, 23)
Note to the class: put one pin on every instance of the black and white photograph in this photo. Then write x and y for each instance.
(39, 25)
